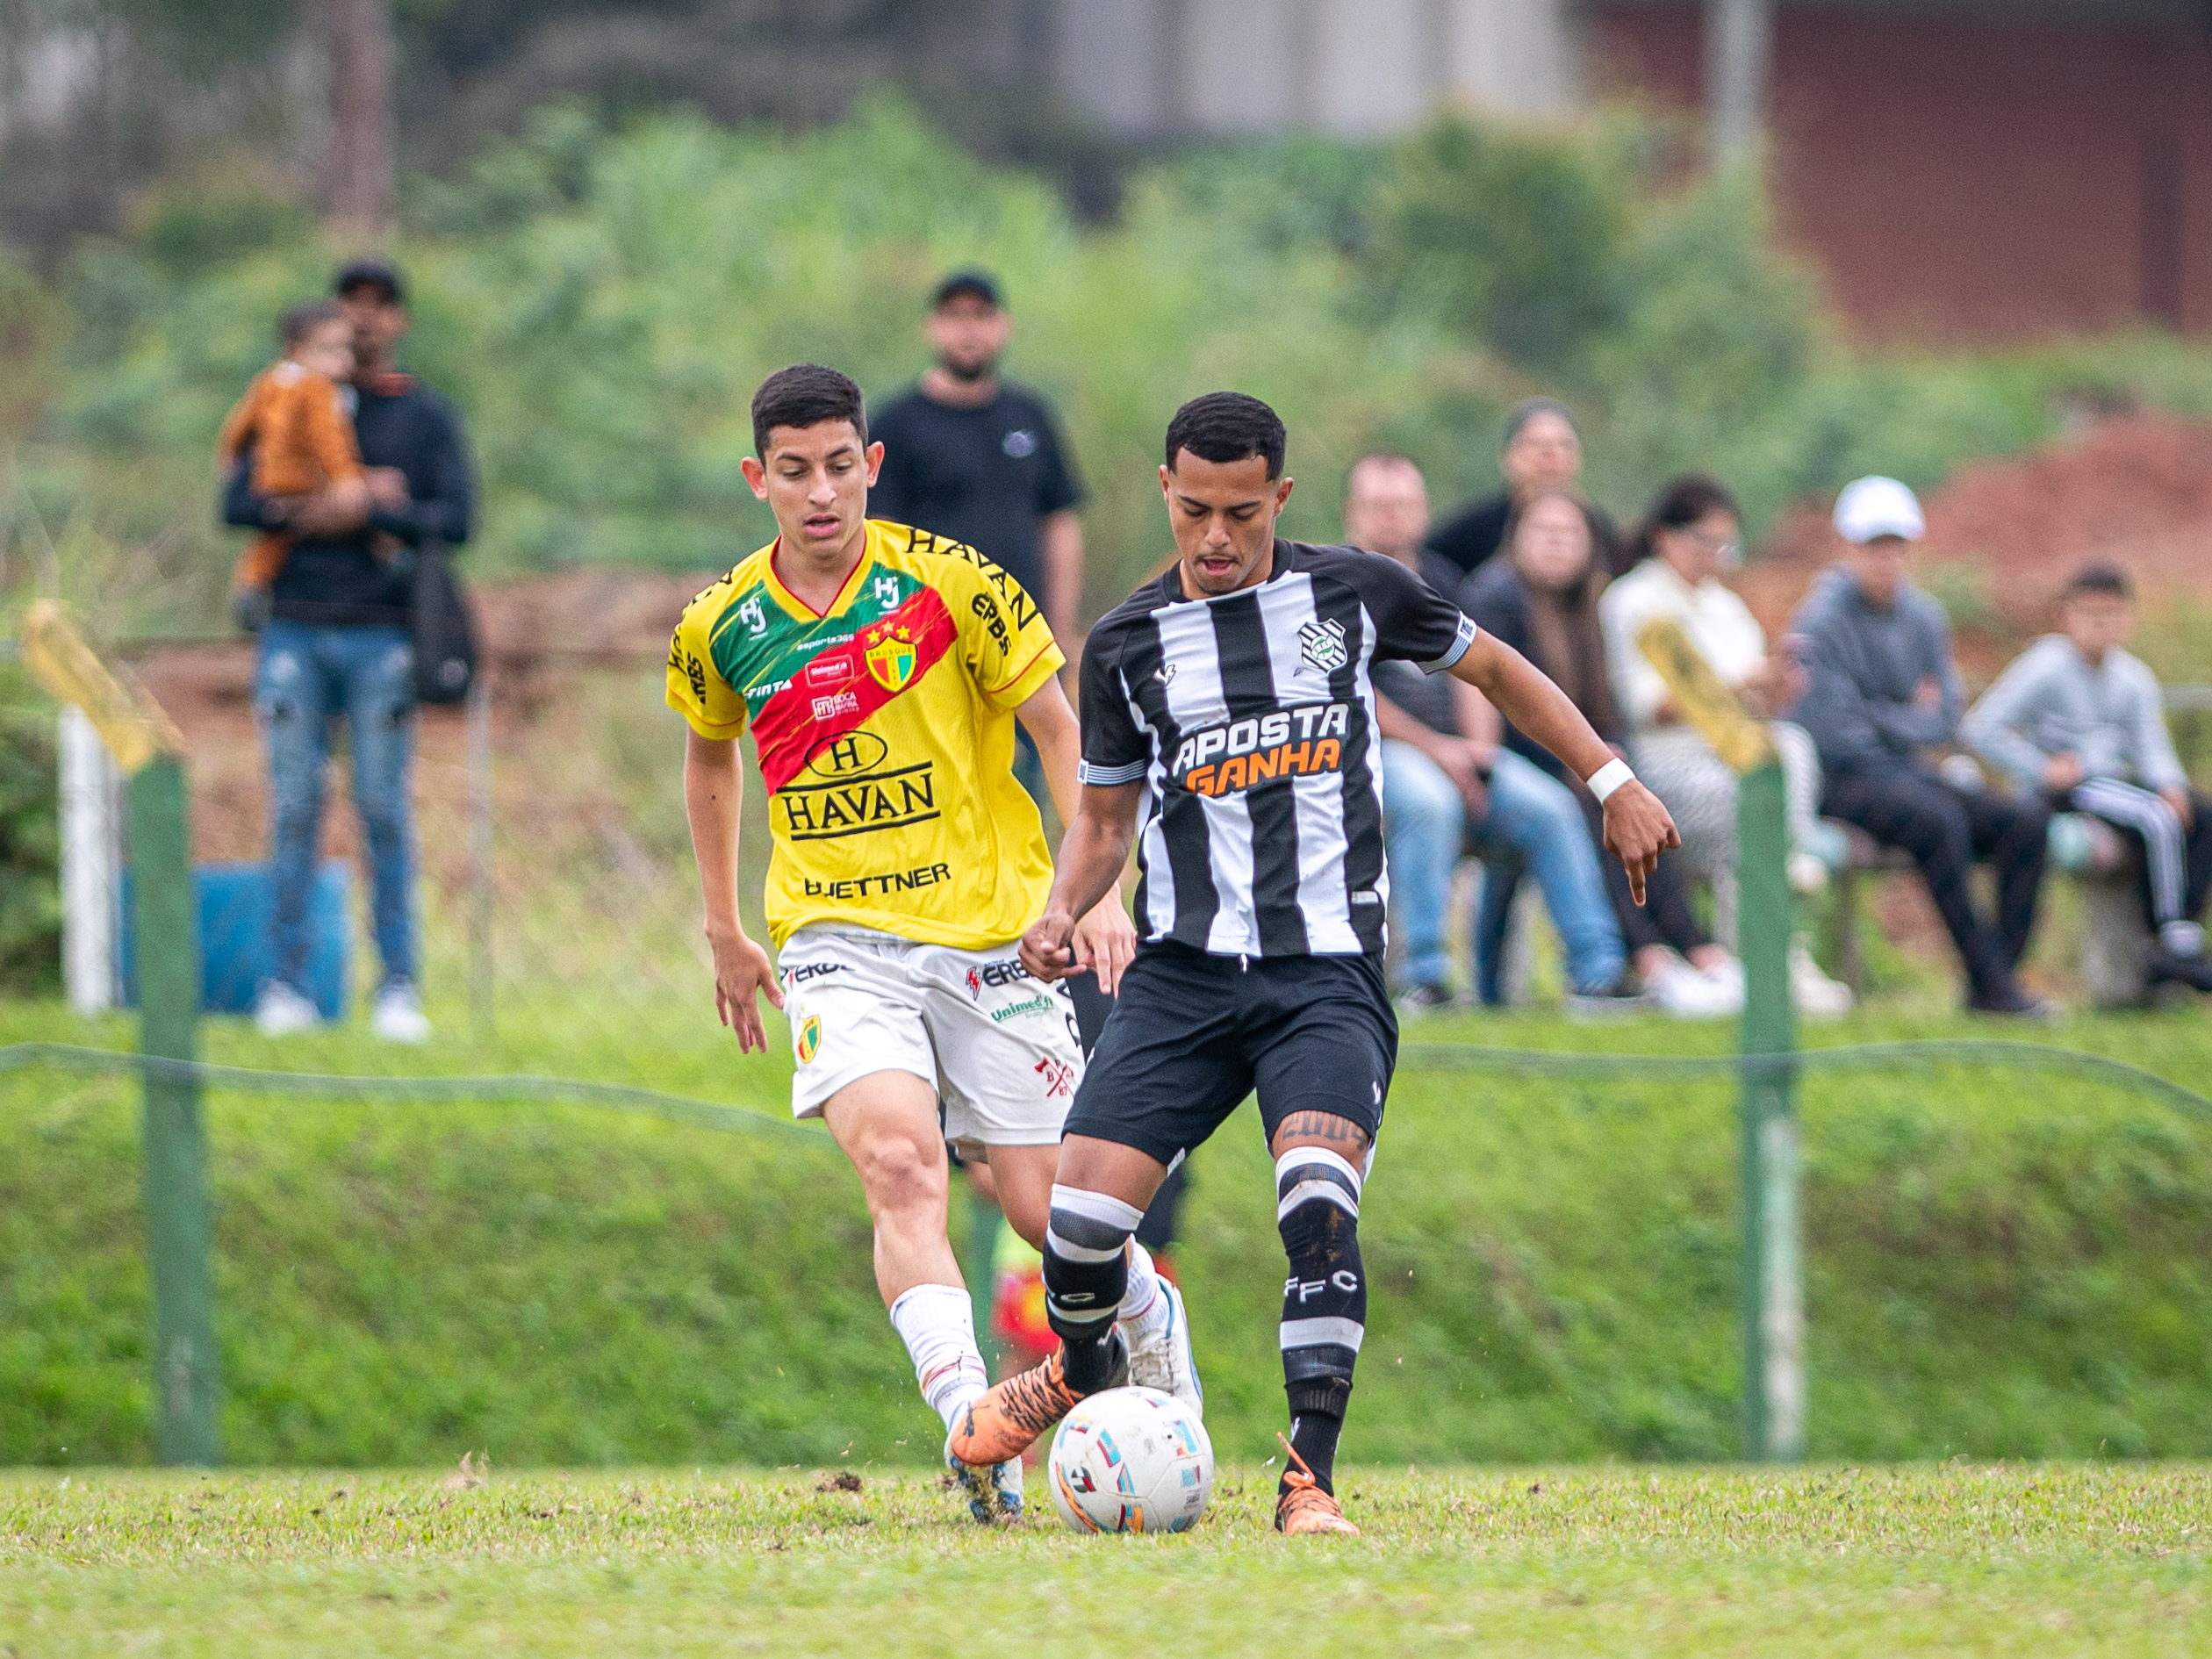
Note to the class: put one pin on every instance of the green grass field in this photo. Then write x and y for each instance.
(1951, 1558)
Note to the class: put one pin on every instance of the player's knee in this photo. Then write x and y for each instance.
(902, 1174)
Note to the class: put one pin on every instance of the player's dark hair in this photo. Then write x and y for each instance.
(1681, 503)
(1224, 426)
(1526, 410)
(2099, 577)
(302, 320)
(805, 395)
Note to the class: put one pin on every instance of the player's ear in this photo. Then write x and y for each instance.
(873, 456)
(757, 475)
(1282, 491)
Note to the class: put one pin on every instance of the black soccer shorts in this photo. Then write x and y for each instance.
(1191, 1035)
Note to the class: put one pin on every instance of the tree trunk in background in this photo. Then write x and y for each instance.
(359, 195)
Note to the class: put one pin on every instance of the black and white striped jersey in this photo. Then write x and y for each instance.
(1252, 715)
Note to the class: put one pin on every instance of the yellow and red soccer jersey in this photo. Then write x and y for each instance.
(886, 733)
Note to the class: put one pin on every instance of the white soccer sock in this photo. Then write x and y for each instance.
(938, 1324)
(1144, 1305)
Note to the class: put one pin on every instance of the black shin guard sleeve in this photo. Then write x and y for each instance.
(1081, 1298)
(1323, 1320)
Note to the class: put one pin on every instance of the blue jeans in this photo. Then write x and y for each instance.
(307, 674)
(1534, 821)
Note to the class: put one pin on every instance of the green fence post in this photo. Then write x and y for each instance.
(981, 1269)
(187, 1383)
(1773, 1285)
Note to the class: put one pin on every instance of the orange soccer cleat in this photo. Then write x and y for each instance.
(1304, 1508)
(1004, 1422)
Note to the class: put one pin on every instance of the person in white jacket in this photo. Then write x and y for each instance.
(1689, 538)
(2079, 720)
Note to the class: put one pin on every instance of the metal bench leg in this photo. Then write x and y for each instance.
(1848, 962)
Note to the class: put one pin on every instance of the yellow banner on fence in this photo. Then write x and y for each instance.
(129, 723)
(1700, 697)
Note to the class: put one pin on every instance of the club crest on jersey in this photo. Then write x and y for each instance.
(809, 1042)
(1322, 644)
(890, 658)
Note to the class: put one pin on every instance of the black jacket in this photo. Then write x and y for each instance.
(400, 423)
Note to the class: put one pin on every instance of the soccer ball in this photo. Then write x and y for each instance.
(1131, 1460)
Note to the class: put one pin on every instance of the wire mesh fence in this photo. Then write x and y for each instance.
(552, 901)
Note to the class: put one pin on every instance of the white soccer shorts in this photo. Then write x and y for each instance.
(999, 1047)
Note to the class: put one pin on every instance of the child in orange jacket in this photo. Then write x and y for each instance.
(298, 415)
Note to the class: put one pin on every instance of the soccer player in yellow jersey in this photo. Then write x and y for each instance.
(881, 671)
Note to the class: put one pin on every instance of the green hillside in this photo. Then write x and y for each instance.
(2001, 1262)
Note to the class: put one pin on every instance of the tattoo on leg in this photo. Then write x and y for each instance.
(1324, 1126)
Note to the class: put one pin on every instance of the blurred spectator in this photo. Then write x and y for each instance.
(2080, 721)
(972, 457)
(1542, 451)
(1688, 537)
(338, 644)
(1541, 598)
(1448, 787)
(1882, 690)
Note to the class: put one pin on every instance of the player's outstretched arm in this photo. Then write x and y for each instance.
(1091, 857)
(1637, 828)
(1104, 941)
(714, 790)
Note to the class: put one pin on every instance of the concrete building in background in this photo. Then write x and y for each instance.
(1144, 68)
(1960, 169)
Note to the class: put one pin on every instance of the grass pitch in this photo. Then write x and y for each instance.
(2004, 1558)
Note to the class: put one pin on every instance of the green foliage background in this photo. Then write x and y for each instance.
(602, 302)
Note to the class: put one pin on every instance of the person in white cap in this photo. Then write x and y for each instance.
(1882, 690)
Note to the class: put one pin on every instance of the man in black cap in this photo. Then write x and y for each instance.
(970, 456)
(339, 643)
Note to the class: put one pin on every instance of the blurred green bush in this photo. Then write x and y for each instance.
(602, 300)
(30, 843)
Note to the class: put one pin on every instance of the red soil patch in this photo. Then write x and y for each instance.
(2135, 490)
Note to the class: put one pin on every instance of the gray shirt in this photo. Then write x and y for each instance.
(1864, 662)
(2053, 701)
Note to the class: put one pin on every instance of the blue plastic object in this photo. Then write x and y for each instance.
(236, 904)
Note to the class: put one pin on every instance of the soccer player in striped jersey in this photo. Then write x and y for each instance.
(1233, 694)
(881, 671)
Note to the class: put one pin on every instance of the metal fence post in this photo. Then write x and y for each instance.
(188, 1396)
(146, 747)
(1773, 1277)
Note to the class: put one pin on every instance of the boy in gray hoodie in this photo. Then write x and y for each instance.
(2077, 719)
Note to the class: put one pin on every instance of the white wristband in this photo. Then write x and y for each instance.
(1609, 778)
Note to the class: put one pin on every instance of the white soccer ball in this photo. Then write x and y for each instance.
(1131, 1460)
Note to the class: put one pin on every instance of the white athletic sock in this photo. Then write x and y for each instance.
(1144, 1307)
(938, 1324)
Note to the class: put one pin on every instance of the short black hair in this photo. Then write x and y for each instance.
(1228, 425)
(371, 270)
(805, 395)
(2099, 577)
(968, 280)
(300, 321)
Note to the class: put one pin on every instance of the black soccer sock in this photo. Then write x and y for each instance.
(1086, 1275)
(1323, 1301)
